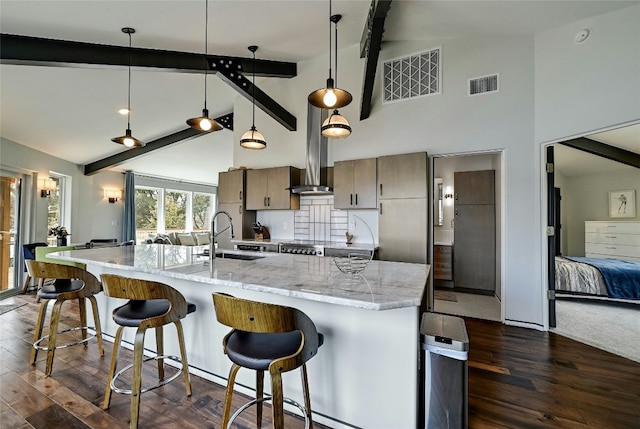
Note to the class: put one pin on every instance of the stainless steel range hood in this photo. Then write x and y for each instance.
(316, 169)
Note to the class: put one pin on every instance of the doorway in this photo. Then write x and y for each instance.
(461, 284)
(9, 233)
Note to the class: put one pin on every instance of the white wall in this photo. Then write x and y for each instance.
(589, 86)
(586, 197)
(91, 215)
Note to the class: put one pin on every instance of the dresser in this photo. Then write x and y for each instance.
(612, 240)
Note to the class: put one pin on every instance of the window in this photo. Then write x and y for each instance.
(59, 205)
(161, 211)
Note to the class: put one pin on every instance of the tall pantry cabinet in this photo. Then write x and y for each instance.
(474, 256)
(402, 207)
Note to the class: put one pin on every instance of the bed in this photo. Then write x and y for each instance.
(598, 277)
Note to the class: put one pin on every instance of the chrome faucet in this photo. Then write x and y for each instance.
(214, 235)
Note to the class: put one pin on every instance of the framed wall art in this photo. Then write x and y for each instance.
(622, 204)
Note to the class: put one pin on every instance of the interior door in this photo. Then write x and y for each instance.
(9, 255)
(552, 229)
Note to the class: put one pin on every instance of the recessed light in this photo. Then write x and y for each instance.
(123, 111)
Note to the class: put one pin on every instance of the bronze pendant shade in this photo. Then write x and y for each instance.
(204, 123)
(331, 97)
(127, 139)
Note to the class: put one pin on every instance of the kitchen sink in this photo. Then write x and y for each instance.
(225, 255)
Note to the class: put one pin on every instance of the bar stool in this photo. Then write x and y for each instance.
(151, 305)
(71, 283)
(266, 337)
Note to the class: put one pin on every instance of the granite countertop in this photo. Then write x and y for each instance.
(382, 285)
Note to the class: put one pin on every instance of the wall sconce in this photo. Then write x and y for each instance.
(112, 195)
(46, 186)
(448, 196)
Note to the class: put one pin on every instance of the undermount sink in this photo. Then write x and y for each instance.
(225, 255)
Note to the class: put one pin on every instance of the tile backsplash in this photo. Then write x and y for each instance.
(318, 220)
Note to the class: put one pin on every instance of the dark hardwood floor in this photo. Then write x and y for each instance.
(518, 378)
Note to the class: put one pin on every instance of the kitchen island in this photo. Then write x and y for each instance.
(366, 373)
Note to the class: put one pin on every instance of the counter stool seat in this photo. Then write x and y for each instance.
(71, 283)
(266, 337)
(135, 311)
(151, 305)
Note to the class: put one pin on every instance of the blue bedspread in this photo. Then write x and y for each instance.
(622, 278)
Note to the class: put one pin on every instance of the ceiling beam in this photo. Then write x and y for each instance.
(604, 150)
(370, 45)
(36, 51)
(179, 136)
(231, 71)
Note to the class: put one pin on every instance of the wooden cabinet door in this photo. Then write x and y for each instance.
(402, 230)
(474, 187)
(474, 257)
(364, 183)
(278, 194)
(403, 176)
(257, 180)
(343, 184)
(231, 186)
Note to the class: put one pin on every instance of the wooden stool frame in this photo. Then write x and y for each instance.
(90, 287)
(137, 289)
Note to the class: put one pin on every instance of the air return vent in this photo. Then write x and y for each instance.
(482, 85)
(416, 75)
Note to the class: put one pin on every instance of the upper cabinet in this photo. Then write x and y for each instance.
(474, 187)
(354, 184)
(403, 176)
(231, 186)
(268, 189)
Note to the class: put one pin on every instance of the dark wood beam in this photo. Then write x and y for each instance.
(370, 47)
(232, 72)
(24, 50)
(122, 157)
(604, 150)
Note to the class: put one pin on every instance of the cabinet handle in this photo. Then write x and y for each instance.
(456, 196)
(239, 209)
(381, 208)
(268, 201)
(264, 202)
(240, 195)
(356, 199)
(350, 199)
(456, 212)
(610, 247)
(381, 189)
(610, 236)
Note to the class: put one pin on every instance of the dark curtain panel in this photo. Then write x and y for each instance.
(129, 220)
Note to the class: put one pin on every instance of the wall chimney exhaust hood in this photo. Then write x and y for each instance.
(316, 169)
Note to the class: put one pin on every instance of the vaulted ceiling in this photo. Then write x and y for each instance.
(71, 112)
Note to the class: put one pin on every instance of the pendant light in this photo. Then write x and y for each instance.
(336, 126)
(253, 139)
(330, 97)
(127, 139)
(204, 123)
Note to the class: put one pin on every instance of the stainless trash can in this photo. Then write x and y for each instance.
(446, 345)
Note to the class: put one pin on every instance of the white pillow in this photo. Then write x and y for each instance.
(186, 239)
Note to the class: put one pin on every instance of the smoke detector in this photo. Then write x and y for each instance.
(581, 36)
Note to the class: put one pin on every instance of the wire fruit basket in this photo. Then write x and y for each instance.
(356, 262)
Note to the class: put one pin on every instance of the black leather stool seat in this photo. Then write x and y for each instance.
(135, 311)
(257, 351)
(60, 286)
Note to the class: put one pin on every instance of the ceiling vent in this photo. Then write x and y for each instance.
(483, 85)
(416, 75)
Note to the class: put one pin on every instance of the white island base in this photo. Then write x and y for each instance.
(364, 376)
